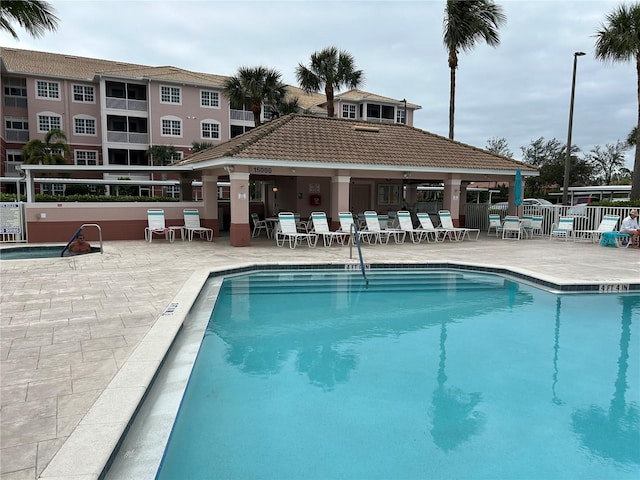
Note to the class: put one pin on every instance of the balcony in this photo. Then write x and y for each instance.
(15, 102)
(11, 169)
(12, 135)
(125, 104)
(242, 115)
(128, 137)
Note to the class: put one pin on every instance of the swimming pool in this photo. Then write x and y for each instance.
(420, 375)
(23, 253)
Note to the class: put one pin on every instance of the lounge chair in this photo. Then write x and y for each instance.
(426, 224)
(377, 233)
(536, 225)
(511, 228)
(608, 224)
(346, 220)
(259, 225)
(495, 223)
(563, 229)
(405, 223)
(192, 225)
(321, 228)
(456, 233)
(289, 231)
(156, 226)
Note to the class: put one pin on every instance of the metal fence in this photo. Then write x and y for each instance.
(585, 217)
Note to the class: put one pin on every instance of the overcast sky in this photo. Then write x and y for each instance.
(520, 90)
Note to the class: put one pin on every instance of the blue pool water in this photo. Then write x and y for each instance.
(25, 253)
(438, 375)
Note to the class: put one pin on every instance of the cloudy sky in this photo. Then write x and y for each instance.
(519, 91)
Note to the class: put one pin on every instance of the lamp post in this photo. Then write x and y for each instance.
(567, 162)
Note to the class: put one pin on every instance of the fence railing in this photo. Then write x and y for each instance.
(585, 217)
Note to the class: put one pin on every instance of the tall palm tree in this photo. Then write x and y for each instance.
(51, 151)
(35, 16)
(329, 69)
(161, 154)
(465, 23)
(619, 41)
(259, 85)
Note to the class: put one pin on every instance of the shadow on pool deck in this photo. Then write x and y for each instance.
(69, 325)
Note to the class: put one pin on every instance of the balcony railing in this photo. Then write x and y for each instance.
(12, 135)
(379, 120)
(126, 137)
(124, 104)
(16, 102)
(241, 115)
(11, 169)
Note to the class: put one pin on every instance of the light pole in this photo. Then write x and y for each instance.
(567, 162)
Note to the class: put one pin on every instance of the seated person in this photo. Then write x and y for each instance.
(79, 245)
(630, 227)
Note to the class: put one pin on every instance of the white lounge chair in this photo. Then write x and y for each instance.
(495, 223)
(156, 226)
(346, 220)
(289, 231)
(511, 228)
(456, 233)
(608, 224)
(405, 223)
(259, 225)
(192, 225)
(321, 228)
(377, 234)
(563, 229)
(436, 234)
(536, 225)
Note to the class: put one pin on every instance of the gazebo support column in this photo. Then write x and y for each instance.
(239, 230)
(452, 198)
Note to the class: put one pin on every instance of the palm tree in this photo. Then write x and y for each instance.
(286, 107)
(632, 139)
(329, 69)
(35, 16)
(51, 151)
(161, 154)
(465, 23)
(619, 41)
(259, 85)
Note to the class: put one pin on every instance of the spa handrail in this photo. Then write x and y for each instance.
(79, 231)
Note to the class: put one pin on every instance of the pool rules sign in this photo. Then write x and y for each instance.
(10, 222)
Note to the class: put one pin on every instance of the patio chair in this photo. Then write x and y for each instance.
(346, 220)
(511, 228)
(536, 225)
(405, 223)
(608, 224)
(427, 225)
(456, 233)
(563, 229)
(156, 226)
(289, 231)
(320, 227)
(495, 223)
(259, 225)
(377, 234)
(192, 225)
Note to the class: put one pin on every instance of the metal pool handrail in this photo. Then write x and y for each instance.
(75, 235)
(356, 238)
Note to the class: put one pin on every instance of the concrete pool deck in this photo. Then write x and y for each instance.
(80, 337)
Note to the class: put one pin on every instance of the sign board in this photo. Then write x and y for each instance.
(10, 221)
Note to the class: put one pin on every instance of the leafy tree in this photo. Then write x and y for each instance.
(632, 139)
(618, 40)
(258, 84)
(161, 154)
(465, 23)
(499, 146)
(35, 16)
(51, 151)
(330, 70)
(606, 162)
(285, 107)
(199, 146)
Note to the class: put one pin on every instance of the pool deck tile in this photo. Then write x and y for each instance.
(81, 337)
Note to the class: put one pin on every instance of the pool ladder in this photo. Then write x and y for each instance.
(356, 239)
(75, 235)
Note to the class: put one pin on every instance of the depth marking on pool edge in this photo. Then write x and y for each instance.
(356, 266)
(170, 309)
(616, 287)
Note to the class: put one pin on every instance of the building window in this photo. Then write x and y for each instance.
(171, 128)
(400, 117)
(15, 87)
(12, 123)
(349, 111)
(172, 191)
(47, 123)
(47, 89)
(170, 95)
(83, 94)
(52, 188)
(388, 194)
(86, 157)
(84, 126)
(209, 99)
(210, 130)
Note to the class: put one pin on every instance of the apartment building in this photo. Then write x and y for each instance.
(113, 112)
